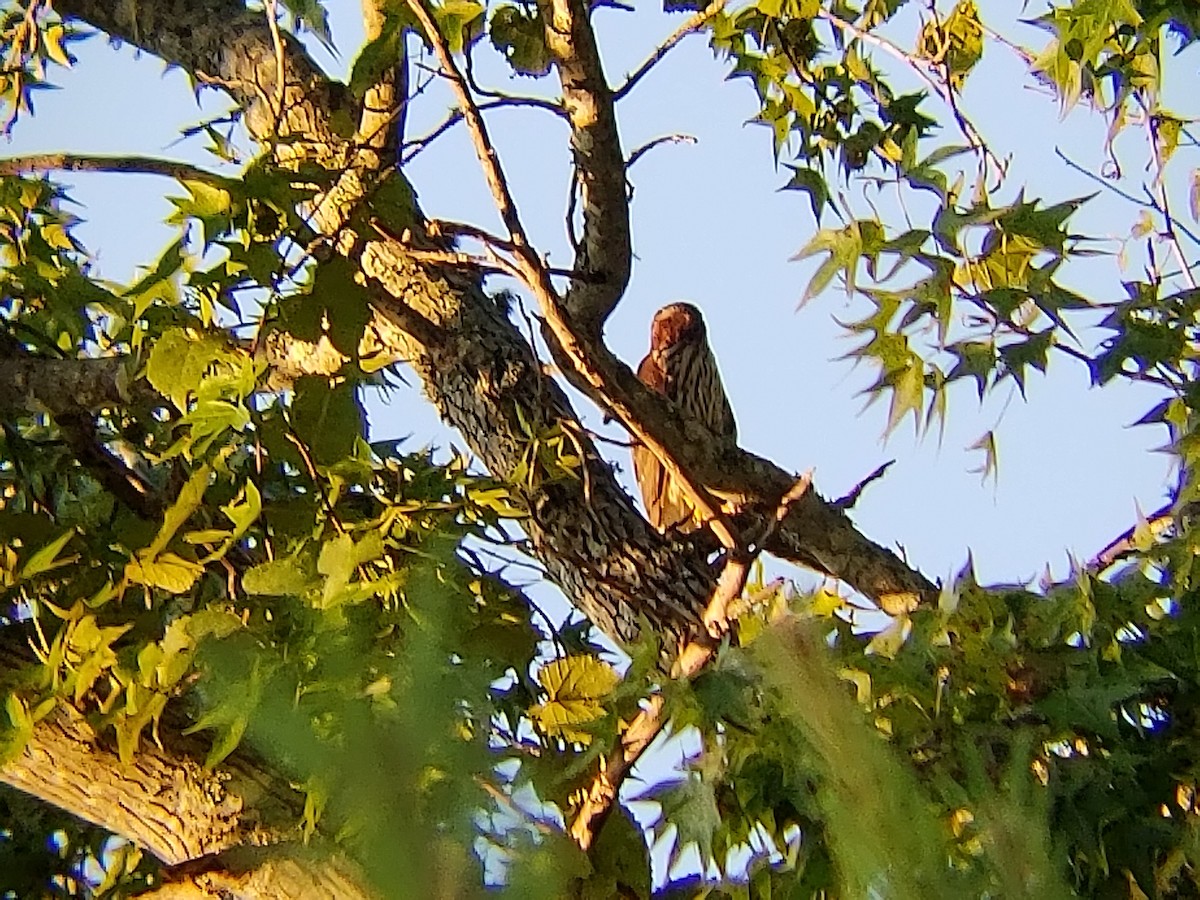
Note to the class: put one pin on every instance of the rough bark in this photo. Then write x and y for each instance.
(30, 385)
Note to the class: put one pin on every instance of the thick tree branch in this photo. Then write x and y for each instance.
(165, 801)
(225, 42)
(280, 873)
(132, 165)
(605, 249)
(203, 825)
(529, 267)
(484, 379)
(31, 385)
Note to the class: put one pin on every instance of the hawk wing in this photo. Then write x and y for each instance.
(665, 508)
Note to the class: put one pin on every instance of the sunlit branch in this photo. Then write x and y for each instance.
(693, 656)
(1127, 542)
(489, 160)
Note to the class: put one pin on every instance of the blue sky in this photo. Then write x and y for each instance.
(711, 226)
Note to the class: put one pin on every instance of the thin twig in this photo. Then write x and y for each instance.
(695, 23)
(855, 492)
(926, 73)
(421, 143)
(270, 9)
(1126, 543)
(665, 139)
(1162, 202)
(506, 800)
(1101, 181)
(484, 148)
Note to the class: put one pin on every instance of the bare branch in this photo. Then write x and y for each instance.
(484, 148)
(1126, 543)
(658, 141)
(455, 116)
(847, 501)
(692, 25)
(1162, 202)
(692, 657)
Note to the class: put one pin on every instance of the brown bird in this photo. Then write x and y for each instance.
(681, 367)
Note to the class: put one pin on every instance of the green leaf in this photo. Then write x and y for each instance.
(990, 467)
(187, 502)
(955, 42)
(339, 558)
(19, 729)
(310, 15)
(620, 854)
(209, 204)
(575, 687)
(178, 362)
(168, 571)
(813, 184)
(845, 246)
(460, 21)
(344, 304)
(1167, 129)
(46, 558)
(287, 576)
(327, 419)
(691, 806)
(519, 36)
(382, 54)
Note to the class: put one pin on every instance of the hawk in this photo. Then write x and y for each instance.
(682, 368)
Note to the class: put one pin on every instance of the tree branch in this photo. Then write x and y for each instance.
(478, 370)
(694, 656)
(697, 21)
(605, 249)
(132, 165)
(484, 149)
(226, 41)
(165, 801)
